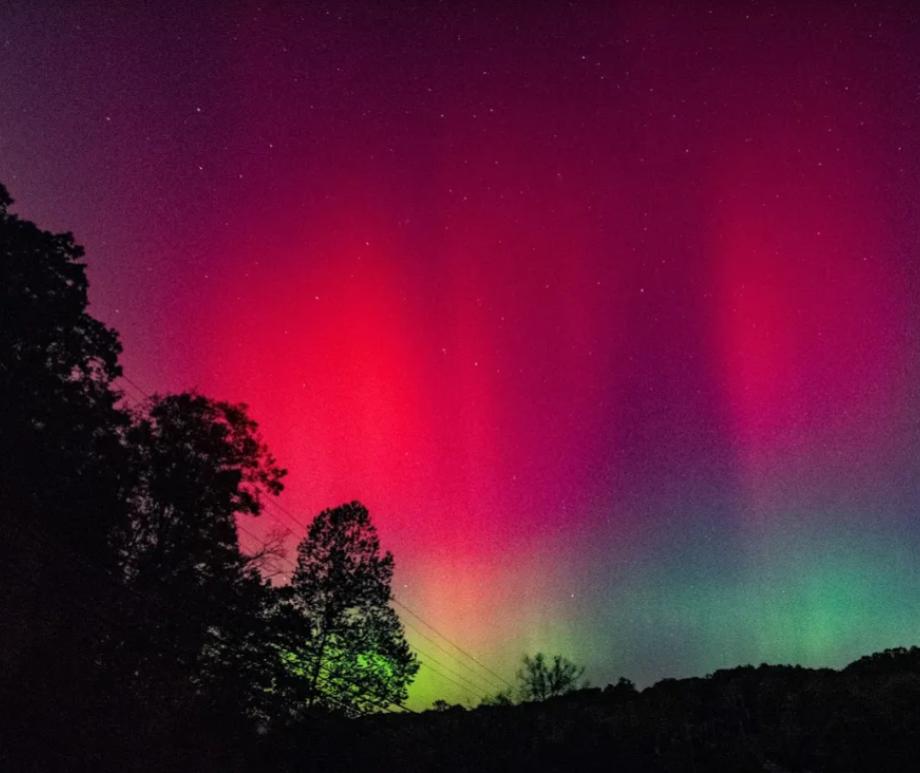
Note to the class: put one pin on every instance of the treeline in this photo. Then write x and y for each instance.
(131, 620)
(135, 635)
(864, 718)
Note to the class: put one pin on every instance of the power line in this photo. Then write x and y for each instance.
(464, 690)
(274, 504)
(431, 659)
(457, 646)
(277, 510)
(288, 514)
(122, 588)
(486, 685)
(277, 507)
(486, 680)
(174, 649)
(137, 388)
(372, 699)
(133, 383)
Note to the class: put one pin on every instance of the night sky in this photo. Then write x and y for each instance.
(609, 314)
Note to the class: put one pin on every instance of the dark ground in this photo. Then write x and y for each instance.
(865, 717)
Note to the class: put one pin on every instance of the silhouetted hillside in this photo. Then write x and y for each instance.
(865, 717)
(136, 634)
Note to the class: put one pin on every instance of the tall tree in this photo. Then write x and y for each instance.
(60, 451)
(125, 599)
(62, 469)
(540, 678)
(356, 657)
(200, 464)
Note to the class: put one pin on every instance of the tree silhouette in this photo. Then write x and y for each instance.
(501, 698)
(540, 678)
(199, 464)
(60, 453)
(442, 705)
(356, 657)
(127, 604)
(62, 471)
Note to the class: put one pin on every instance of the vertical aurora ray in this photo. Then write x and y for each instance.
(609, 317)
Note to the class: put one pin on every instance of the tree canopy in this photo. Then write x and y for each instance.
(357, 656)
(540, 677)
(60, 451)
(127, 601)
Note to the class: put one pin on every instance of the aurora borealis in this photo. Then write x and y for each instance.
(608, 314)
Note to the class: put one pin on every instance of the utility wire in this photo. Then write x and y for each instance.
(457, 646)
(429, 659)
(133, 383)
(465, 691)
(486, 685)
(301, 526)
(395, 600)
(146, 599)
(122, 587)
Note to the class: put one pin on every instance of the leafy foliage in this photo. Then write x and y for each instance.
(356, 656)
(62, 472)
(128, 607)
(198, 465)
(60, 452)
(540, 678)
(501, 698)
(862, 719)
